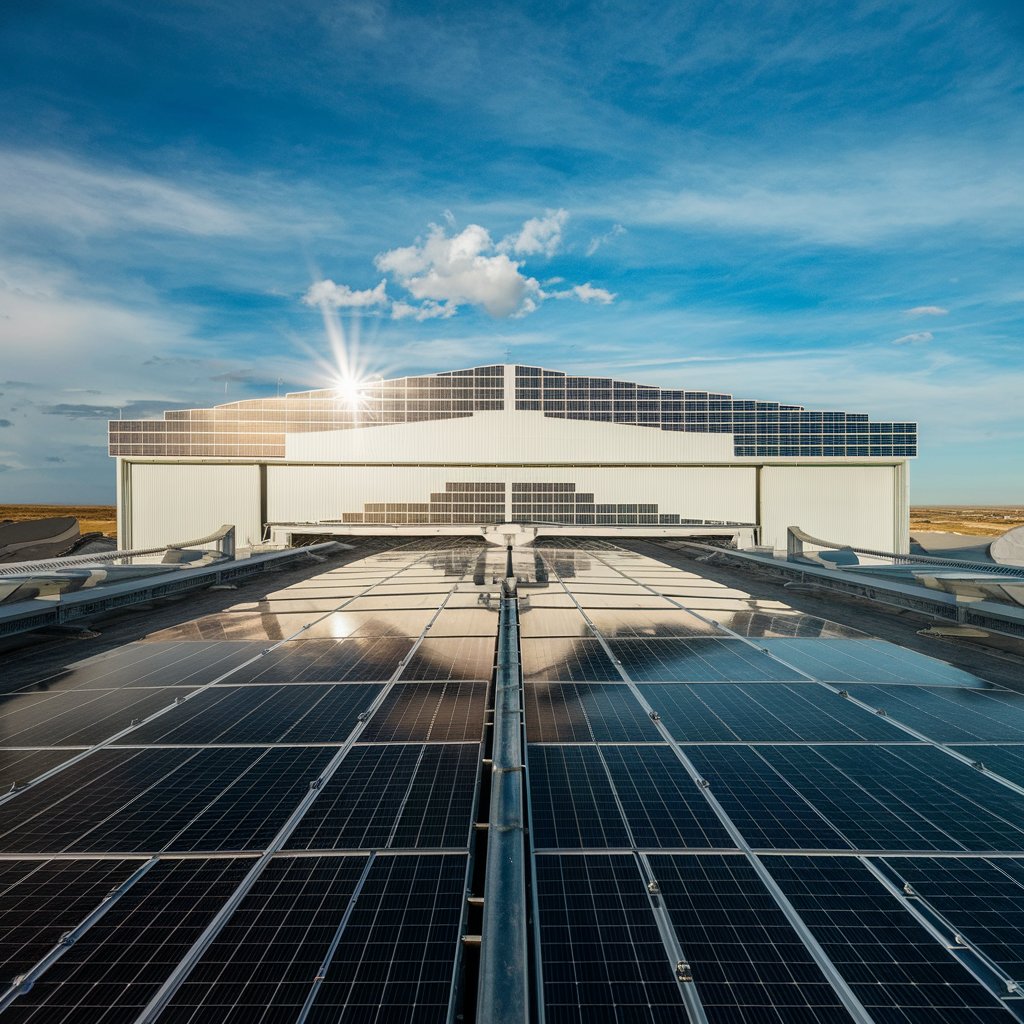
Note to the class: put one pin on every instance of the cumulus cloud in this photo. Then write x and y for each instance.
(448, 269)
(538, 235)
(926, 311)
(340, 296)
(915, 337)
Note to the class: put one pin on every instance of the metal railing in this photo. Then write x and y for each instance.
(224, 538)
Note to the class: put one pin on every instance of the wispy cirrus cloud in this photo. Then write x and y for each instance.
(926, 311)
(914, 338)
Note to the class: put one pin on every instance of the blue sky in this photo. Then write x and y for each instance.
(811, 203)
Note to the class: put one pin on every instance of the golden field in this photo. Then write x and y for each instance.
(91, 518)
(978, 520)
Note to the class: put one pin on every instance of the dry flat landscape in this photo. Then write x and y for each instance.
(977, 520)
(91, 518)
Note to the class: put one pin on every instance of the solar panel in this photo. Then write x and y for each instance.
(162, 799)
(763, 712)
(263, 714)
(748, 963)
(652, 625)
(950, 714)
(891, 963)
(768, 811)
(327, 661)
(263, 963)
(566, 659)
(442, 712)
(117, 966)
(397, 955)
(20, 766)
(697, 661)
(661, 803)
(452, 658)
(573, 802)
(1005, 761)
(391, 796)
(983, 900)
(149, 664)
(903, 798)
(843, 660)
(581, 712)
(40, 900)
(602, 956)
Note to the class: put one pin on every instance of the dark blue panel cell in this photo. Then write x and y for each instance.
(581, 712)
(448, 711)
(263, 963)
(662, 804)
(397, 956)
(770, 812)
(40, 900)
(904, 798)
(117, 966)
(950, 713)
(983, 900)
(263, 714)
(163, 799)
(602, 956)
(748, 963)
(405, 795)
(1005, 761)
(894, 967)
(573, 801)
(20, 766)
(702, 660)
(76, 717)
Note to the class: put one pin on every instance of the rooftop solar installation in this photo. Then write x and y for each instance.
(291, 809)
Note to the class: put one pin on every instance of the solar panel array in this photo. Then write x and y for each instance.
(736, 812)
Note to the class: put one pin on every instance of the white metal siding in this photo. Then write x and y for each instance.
(850, 504)
(312, 493)
(169, 502)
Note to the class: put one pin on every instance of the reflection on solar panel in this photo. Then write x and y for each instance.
(276, 812)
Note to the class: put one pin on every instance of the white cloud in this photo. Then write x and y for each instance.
(462, 269)
(340, 296)
(57, 191)
(428, 310)
(598, 240)
(926, 311)
(539, 235)
(588, 293)
(916, 336)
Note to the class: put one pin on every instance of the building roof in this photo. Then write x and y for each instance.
(258, 428)
(736, 809)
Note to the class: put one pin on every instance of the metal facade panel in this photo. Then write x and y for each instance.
(168, 502)
(854, 504)
(298, 494)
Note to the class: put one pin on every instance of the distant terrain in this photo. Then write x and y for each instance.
(91, 518)
(977, 520)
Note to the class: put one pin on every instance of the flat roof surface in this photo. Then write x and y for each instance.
(743, 804)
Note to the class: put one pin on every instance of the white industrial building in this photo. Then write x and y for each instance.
(474, 450)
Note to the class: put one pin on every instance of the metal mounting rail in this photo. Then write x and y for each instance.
(504, 977)
(797, 538)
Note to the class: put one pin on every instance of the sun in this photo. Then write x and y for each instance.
(350, 391)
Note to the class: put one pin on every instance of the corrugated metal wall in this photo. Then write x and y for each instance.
(171, 502)
(311, 493)
(853, 504)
